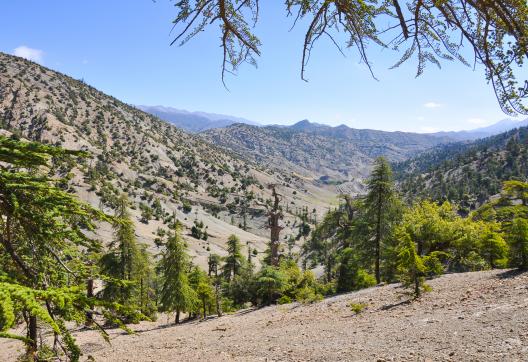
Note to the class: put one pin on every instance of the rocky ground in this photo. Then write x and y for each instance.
(480, 316)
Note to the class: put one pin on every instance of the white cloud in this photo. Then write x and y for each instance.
(28, 53)
(477, 121)
(432, 105)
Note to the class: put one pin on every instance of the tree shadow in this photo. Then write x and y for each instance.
(247, 311)
(171, 325)
(513, 273)
(391, 306)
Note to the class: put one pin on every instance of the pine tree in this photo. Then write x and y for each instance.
(234, 259)
(380, 203)
(46, 257)
(350, 274)
(205, 293)
(147, 283)
(270, 283)
(127, 264)
(175, 295)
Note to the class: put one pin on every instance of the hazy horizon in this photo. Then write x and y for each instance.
(292, 122)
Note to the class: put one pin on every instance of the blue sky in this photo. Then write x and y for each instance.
(122, 48)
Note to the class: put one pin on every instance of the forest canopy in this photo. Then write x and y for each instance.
(491, 33)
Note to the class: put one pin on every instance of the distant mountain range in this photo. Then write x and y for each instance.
(499, 127)
(202, 121)
(193, 121)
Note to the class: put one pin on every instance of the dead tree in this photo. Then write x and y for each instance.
(274, 217)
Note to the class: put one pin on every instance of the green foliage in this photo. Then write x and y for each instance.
(357, 307)
(45, 254)
(410, 264)
(298, 285)
(435, 263)
(186, 206)
(494, 249)
(270, 284)
(242, 288)
(176, 294)
(381, 210)
(146, 213)
(350, 275)
(234, 259)
(518, 238)
(204, 291)
(284, 300)
(127, 264)
(199, 231)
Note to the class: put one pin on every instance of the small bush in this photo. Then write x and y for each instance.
(357, 307)
(284, 300)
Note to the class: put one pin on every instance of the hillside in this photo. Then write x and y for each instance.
(467, 173)
(478, 316)
(163, 169)
(339, 155)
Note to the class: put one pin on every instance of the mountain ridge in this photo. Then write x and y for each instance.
(501, 126)
(193, 121)
(337, 155)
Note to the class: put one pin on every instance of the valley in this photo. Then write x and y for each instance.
(360, 265)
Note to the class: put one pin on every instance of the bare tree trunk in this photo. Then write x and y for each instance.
(420, 247)
(89, 294)
(32, 335)
(177, 319)
(416, 286)
(217, 296)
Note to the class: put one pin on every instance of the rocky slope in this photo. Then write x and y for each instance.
(163, 169)
(336, 155)
(477, 316)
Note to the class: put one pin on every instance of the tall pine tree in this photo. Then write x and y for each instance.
(234, 259)
(176, 295)
(126, 263)
(380, 203)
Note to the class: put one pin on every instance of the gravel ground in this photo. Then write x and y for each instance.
(480, 316)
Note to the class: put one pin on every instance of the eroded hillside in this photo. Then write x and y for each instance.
(340, 155)
(164, 170)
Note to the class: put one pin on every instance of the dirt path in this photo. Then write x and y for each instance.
(479, 316)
